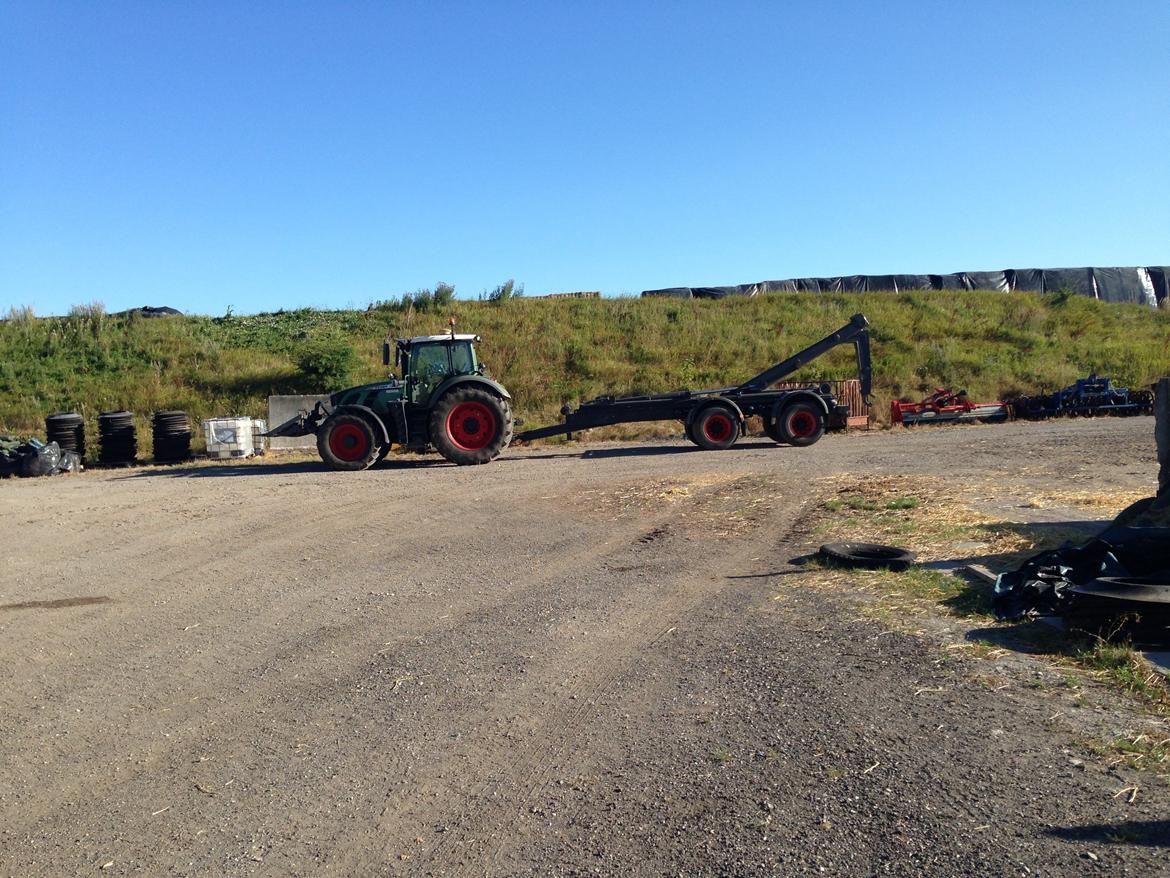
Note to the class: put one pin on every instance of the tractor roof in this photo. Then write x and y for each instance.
(419, 339)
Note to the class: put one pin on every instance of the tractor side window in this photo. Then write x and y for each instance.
(462, 362)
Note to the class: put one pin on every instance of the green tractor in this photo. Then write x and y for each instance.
(444, 400)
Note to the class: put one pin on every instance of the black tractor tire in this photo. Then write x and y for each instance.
(347, 442)
(868, 555)
(801, 424)
(470, 425)
(715, 428)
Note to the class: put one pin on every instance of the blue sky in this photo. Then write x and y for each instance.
(265, 155)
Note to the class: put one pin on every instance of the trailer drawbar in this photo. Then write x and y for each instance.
(715, 418)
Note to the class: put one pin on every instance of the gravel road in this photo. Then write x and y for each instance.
(577, 660)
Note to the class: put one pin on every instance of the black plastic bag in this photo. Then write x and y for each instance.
(40, 460)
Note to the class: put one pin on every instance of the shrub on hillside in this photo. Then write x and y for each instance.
(327, 363)
(504, 292)
(424, 300)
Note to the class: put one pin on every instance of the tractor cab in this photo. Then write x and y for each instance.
(427, 361)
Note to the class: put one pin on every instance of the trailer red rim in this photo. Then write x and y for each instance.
(471, 426)
(802, 424)
(717, 427)
(348, 442)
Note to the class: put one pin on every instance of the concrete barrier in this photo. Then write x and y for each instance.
(280, 409)
(1162, 436)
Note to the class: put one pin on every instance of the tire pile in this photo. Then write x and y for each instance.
(119, 442)
(67, 429)
(172, 437)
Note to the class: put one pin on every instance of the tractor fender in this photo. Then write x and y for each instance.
(707, 403)
(799, 396)
(461, 380)
(367, 413)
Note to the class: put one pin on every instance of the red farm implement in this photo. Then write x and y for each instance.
(943, 406)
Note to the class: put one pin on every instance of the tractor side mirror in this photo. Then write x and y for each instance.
(385, 353)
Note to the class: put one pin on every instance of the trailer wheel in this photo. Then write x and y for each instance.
(772, 429)
(802, 424)
(469, 426)
(715, 428)
(347, 442)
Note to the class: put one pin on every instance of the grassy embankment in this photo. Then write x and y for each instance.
(548, 352)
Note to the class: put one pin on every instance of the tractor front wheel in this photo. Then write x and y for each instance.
(470, 425)
(347, 442)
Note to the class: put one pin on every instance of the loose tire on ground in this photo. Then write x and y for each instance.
(715, 428)
(347, 442)
(470, 425)
(801, 424)
(868, 555)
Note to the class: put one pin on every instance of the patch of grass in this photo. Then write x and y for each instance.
(721, 756)
(1140, 751)
(866, 504)
(1122, 665)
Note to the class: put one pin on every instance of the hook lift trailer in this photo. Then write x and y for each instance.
(714, 419)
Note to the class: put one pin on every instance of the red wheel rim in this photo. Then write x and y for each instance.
(717, 427)
(471, 426)
(802, 424)
(348, 442)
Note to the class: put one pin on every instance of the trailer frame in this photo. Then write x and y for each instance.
(715, 418)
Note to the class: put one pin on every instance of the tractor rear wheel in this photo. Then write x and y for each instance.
(470, 425)
(772, 429)
(802, 424)
(347, 442)
(715, 428)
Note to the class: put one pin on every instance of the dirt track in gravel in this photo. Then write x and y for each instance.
(576, 660)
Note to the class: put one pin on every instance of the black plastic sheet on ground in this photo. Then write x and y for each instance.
(1117, 583)
(34, 458)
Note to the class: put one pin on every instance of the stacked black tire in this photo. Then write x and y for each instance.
(172, 437)
(118, 439)
(67, 429)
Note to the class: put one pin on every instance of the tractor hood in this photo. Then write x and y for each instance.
(365, 394)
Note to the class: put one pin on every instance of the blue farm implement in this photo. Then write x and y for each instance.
(1087, 397)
